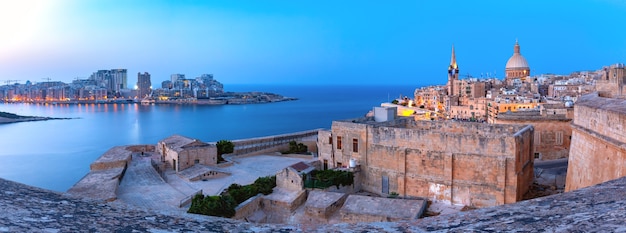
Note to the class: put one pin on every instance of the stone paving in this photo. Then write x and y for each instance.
(143, 186)
(246, 170)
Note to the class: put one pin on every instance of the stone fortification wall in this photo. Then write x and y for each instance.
(113, 158)
(450, 127)
(141, 148)
(598, 142)
(279, 205)
(592, 209)
(274, 143)
(248, 207)
(460, 163)
(106, 172)
(467, 169)
(552, 135)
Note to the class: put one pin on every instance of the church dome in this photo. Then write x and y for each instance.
(517, 61)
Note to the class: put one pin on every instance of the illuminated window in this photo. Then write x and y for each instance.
(355, 145)
(339, 142)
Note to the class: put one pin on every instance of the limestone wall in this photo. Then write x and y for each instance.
(248, 207)
(206, 154)
(116, 157)
(552, 137)
(141, 148)
(598, 142)
(458, 163)
(289, 179)
(274, 143)
(280, 209)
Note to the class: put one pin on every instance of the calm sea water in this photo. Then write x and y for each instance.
(56, 154)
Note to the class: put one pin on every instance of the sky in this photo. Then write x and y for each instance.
(305, 42)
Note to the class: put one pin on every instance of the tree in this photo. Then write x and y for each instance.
(224, 147)
(296, 148)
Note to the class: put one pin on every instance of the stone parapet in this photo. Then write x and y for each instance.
(273, 143)
(115, 157)
(99, 185)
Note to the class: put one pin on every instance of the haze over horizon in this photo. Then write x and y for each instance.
(310, 42)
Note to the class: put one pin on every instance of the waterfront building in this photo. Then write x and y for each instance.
(175, 77)
(144, 85)
(119, 80)
(113, 80)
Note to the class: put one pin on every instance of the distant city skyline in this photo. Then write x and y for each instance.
(286, 42)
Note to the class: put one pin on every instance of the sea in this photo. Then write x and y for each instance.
(55, 154)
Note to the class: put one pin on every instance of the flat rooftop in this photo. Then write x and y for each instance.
(380, 206)
(455, 127)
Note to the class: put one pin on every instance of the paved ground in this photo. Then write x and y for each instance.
(143, 186)
(551, 173)
(247, 169)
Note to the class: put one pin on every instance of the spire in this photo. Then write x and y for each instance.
(516, 47)
(453, 60)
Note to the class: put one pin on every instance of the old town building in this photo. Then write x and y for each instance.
(182, 152)
(461, 163)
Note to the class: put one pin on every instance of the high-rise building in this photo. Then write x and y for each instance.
(144, 85)
(119, 80)
(113, 80)
(177, 77)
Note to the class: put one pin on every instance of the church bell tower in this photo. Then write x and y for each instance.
(453, 73)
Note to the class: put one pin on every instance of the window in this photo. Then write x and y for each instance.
(339, 142)
(339, 164)
(559, 138)
(197, 161)
(330, 140)
(355, 145)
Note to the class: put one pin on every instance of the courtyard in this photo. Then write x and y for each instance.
(143, 186)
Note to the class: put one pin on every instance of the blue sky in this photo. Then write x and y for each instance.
(305, 42)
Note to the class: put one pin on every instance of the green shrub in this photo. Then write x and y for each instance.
(224, 147)
(224, 204)
(221, 206)
(326, 178)
(296, 148)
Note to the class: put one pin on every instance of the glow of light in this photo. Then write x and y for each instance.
(406, 112)
(22, 20)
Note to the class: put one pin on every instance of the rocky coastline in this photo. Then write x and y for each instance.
(6, 118)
